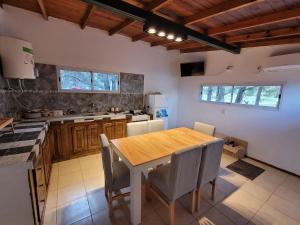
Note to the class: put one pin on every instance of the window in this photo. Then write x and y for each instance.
(252, 95)
(88, 81)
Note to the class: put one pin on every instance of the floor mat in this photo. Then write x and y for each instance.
(246, 169)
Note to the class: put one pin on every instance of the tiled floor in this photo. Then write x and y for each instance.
(76, 197)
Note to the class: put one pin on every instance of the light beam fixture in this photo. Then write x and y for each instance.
(170, 36)
(161, 33)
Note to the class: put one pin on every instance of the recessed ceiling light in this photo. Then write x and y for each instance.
(161, 33)
(170, 36)
(178, 39)
(151, 30)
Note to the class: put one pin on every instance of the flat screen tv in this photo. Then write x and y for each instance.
(192, 69)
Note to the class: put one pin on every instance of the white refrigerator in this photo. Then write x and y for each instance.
(157, 105)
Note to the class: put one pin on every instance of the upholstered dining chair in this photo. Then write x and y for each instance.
(116, 173)
(209, 167)
(205, 128)
(137, 128)
(155, 125)
(170, 182)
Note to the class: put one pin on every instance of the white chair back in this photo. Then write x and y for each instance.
(137, 128)
(155, 125)
(205, 128)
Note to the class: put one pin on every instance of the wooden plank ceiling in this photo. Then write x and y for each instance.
(247, 23)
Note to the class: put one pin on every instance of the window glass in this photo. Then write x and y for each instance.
(224, 94)
(80, 81)
(269, 96)
(105, 82)
(245, 95)
(204, 96)
(75, 80)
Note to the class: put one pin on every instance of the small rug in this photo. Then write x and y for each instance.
(246, 169)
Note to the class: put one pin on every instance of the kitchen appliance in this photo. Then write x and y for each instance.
(157, 105)
(34, 114)
(17, 58)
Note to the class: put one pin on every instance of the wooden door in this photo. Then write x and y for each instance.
(79, 138)
(120, 129)
(108, 130)
(46, 159)
(93, 142)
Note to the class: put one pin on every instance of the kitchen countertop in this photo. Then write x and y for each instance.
(22, 147)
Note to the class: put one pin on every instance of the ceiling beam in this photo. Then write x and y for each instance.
(1, 3)
(121, 26)
(87, 15)
(280, 41)
(257, 21)
(156, 4)
(222, 8)
(284, 32)
(152, 6)
(142, 15)
(43, 9)
(139, 37)
(182, 45)
(161, 42)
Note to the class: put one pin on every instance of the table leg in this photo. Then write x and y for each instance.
(135, 196)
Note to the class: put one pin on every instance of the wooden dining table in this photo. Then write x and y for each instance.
(145, 151)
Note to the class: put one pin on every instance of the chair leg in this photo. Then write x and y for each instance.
(110, 208)
(213, 189)
(198, 201)
(194, 200)
(171, 213)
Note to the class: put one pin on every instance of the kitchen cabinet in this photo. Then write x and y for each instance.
(93, 132)
(79, 139)
(108, 129)
(115, 129)
(119, 129)
(47, 161)
(71, 140)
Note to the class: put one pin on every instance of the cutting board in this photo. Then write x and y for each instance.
(5, 121)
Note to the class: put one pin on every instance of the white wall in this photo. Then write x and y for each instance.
(63, 43)
(273, 135)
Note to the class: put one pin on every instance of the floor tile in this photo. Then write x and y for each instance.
(270, 181)
(73, 212)
(97, 200)
(227, 159)
(69, 166)
(186, 202)
(93, 184)
(102, 218)
(257, 191)
(285, 207)
(86, 221)
(152, 219)
(70, 179)
(292, 183)
(182, 216)
(213, 217)
(69, 194)
(219, 195)
(270, 216)
(240, 207)
(93, 172)
(91, 161)
(290, 194)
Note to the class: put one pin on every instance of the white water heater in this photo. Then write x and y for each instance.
(17, 58)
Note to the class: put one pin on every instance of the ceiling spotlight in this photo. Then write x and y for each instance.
(170, 36)
(151, 30)
(178, 39)
(161, 33)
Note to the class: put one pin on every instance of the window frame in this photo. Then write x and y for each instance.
(92, 79)
(256, 105)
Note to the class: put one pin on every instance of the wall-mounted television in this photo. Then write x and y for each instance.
(192, 69)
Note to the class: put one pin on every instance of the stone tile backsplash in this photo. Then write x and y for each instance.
(43, 93)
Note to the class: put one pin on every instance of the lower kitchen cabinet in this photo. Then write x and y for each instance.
(77, 139)
(47, 158)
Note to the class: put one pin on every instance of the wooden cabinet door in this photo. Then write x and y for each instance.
(79, 138)
(46, 159)
(93, 142)
(120, 129)
(108, 130)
